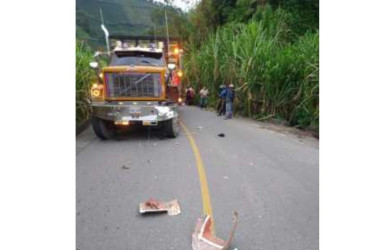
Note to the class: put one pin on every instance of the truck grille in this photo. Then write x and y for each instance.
(133, 85)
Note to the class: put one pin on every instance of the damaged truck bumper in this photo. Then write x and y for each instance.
(140, 112)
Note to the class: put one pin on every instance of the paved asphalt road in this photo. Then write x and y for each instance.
(264, 172)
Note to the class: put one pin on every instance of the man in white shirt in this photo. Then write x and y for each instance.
(204, 97)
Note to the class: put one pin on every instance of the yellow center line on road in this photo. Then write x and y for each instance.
(207, 207)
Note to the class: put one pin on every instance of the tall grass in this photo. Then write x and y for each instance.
(84, 76)
(275, 75)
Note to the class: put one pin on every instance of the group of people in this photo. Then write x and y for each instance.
(226, 99)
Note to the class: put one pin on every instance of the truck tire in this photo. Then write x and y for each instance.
(103, 129)
(172, 128)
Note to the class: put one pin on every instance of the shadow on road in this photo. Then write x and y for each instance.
(139, 134)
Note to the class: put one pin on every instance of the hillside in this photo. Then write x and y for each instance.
(131, 17)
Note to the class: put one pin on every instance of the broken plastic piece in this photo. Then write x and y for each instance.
(204, 239)
(155, 206)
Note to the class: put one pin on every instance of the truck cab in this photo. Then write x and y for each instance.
(134, 90)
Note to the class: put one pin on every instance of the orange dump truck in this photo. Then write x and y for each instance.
(136, 88)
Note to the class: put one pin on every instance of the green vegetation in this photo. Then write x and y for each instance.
(270, 52)
(84, 76)
(275, 75)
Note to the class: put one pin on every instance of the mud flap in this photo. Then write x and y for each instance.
(203, 238)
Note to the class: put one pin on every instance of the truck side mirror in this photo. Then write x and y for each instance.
(171, 66)
(94, 65)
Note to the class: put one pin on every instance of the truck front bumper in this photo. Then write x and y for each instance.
(128, 113)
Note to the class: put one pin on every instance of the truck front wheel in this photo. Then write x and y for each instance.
(172, 128)
(103, 129)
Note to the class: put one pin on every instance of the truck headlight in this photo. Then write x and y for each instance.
(96, 90)
(95, 93)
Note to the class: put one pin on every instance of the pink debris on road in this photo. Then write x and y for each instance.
(155, 206)
(204, 239)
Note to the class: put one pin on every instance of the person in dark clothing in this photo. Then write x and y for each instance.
(189, 96)
(221, 107)
(228, 94)
(230, 102)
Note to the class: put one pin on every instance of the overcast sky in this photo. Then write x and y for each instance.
(183, 4)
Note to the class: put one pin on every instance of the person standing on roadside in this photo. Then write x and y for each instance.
(221, 107)
(189, 95)
(176, 80)
(229, 98)
(204, 97)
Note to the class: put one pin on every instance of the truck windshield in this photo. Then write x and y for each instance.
(137, 58)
